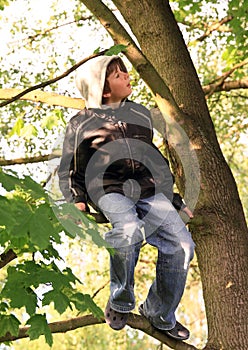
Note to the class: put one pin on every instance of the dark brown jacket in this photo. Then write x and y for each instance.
(111, 150)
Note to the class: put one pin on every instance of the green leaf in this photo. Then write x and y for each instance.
(116, 49)
(28, 131)
(21, 296)
(23, 278)
(36, 190)
(23, 210)
(70, 276)
(60, 300)
(96, 237)
(97, 50)
(6, 216)
(9, 324)
(11, 181)
(96, 310)
(16, 130)
(40, 227)
(50, 251)
(52, 120)
(69, 217)
(17, 288)
(77, 223)
(84, 302)
(15, 214)
(8, 181)
(38, 326)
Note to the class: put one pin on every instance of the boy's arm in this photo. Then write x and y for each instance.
(179, 204)
(66, 164)
(71, 183)
(177, 200)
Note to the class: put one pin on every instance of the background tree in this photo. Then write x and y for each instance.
(219, 228)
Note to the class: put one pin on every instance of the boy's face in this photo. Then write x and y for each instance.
(120, 88)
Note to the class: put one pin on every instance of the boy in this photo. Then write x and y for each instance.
(110, 162)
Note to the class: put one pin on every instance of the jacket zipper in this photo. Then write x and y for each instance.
(121, 126)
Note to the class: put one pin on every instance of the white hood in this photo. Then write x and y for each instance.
(90, 78)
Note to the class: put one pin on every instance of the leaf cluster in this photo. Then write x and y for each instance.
(29, 225)
(200, 19)
(3, 3)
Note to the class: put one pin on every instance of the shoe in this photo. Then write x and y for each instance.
(179, 332)
(116, 320)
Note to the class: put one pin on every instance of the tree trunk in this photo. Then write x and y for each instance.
(220, 229)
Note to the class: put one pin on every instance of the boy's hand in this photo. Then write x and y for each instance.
(179, 204)
(81, 206)
(188, 212)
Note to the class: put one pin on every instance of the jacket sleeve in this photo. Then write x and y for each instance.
(178, 202)
(71, 183)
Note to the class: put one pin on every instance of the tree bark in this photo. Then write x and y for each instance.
(220, 229)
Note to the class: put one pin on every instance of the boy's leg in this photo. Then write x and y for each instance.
(126, 238)
(166, 231)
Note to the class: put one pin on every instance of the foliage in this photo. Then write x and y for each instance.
(215, 49)
(93, 270)
(29, 225)
(3, 3)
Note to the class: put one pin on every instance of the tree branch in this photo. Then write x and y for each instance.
(99, 289)
(76, 103)
(54, 99)
(226, 86)
(33, 37)
(219, 81)
(214, 26)
(39, 32)
(7, 257)
(134, 321)
(50, 98)
(37, 159)
(51, 81)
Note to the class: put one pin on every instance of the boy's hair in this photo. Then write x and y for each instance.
(112, 66)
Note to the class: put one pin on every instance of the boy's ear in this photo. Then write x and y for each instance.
(106, 94)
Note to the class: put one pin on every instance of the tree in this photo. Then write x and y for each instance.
(220, 229)
(221, 232)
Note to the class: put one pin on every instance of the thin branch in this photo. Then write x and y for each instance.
(134, 321)
(7, 257)
(226, 86)
(214, 26)
(46, 31)
(219, 81)
(230, 71)
(51, 81)
(82, 18)
(37, 159)
(99, 289)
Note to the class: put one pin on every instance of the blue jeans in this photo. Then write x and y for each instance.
(155, 220)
